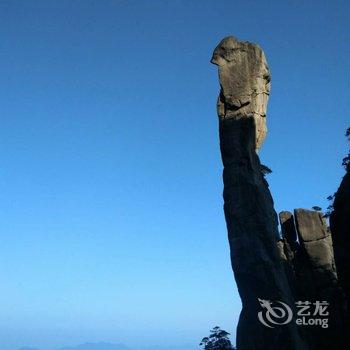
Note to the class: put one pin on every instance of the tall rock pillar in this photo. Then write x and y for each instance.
(250, 216)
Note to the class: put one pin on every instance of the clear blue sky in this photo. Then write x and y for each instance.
(111, 211)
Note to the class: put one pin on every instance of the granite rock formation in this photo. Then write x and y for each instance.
(316, 245)
(340, 228)
(289, 232)
(288, 247)
(245, 83)
(317, 279)
(314, 275)
(249, 211)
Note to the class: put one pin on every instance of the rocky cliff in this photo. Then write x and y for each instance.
(340, 228)
(314, 275)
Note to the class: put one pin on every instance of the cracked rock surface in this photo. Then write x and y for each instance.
(245, 83)
(251, 220)
(314, 274)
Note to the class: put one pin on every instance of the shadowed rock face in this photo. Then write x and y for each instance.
(316, 240)
(250, 216)
(340, 227)
(288, 247)
(289, 232)
(245, 83)
(314, 274)
(310, 243)
(289, 242)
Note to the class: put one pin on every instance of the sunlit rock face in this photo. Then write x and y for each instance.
(251, 220)
(245, 83)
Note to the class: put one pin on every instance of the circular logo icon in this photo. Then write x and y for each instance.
(274, 313)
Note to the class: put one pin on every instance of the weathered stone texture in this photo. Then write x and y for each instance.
(340, 228)
(250, 216)
(316, 245)
(288, 228)
(314, 275)
(245, 83)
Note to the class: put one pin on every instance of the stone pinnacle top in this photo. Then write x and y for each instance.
(245, 83)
